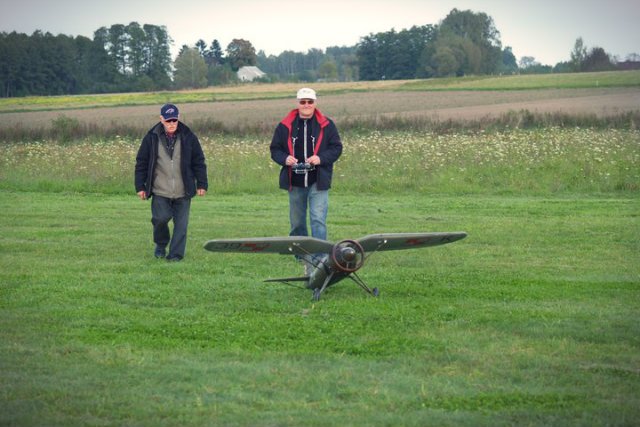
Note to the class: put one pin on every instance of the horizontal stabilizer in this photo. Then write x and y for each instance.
(289, 279)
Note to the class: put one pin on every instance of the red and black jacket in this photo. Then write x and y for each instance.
(328, 147)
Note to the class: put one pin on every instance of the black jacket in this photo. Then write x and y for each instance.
(328, 147)
(193, 166)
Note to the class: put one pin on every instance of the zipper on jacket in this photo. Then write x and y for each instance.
(306, 175)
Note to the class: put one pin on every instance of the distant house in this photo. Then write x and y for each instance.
(249, 73)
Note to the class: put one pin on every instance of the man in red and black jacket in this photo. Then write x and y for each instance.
(306, 144)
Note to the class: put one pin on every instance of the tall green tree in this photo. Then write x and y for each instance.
(475, 35)
(393, 55)
(218, 73)
(103, 68)
(446, 61)
(13, 49)
(313, 59)
(158, 55)
(221, 75)
(98, 72)
(217, 56)
(141, 55)
(136, 48)
(456, 56)
(578, 54)
(241, 52)
(51, 68)
(509, 64)
(346, 61)
(201, 45)
(328, 70)
(597, 60)
(117, 46)
(368, 59)
(65, 65)
(190, 70)
(387, 49)
(528, 62)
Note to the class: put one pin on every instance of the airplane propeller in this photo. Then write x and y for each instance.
(348, 256)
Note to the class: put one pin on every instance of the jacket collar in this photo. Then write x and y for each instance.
(293, 115)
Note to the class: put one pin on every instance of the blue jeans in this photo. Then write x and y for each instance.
(318, 203)
(164, 210)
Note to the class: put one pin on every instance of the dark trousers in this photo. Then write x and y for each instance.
(164, 210)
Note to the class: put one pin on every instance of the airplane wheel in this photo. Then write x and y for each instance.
(316, 294)
(376, 292)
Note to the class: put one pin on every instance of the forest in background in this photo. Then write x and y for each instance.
(134, 57)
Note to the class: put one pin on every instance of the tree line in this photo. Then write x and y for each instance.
(134, 57)
(208, 65)
(118, 59)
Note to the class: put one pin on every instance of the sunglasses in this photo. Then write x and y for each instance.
(171, 121)
(306, 101)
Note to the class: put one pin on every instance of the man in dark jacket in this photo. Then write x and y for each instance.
(306, 144)
(171, 169)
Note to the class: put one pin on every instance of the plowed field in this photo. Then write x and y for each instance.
(439, 105)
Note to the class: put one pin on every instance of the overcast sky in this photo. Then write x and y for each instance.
(543, 29)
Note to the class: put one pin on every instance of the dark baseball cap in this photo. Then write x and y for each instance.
(169, 111)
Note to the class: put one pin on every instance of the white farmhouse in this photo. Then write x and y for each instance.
(249, 73)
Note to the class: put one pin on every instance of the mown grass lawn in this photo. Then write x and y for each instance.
(531, 320)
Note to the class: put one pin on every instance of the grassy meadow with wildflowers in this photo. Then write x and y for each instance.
(540, 161)
(530, 320)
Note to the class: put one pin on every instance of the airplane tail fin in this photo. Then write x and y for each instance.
(290, 281)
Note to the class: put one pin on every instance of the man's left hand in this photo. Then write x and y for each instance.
(201, 191)
(314, 160)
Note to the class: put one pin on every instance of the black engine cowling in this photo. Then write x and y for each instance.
(347, 256)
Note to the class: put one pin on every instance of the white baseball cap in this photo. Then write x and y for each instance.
(306, 93)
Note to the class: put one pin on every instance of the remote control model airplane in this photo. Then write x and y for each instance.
(331, 262)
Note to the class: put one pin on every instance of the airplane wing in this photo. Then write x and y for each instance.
(299, 245)
(394, 241)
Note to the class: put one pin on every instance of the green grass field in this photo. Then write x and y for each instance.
(531, 320)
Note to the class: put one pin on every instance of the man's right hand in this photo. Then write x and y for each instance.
(291, 161)
(142, 194)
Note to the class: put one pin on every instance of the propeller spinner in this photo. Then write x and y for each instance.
(348, 256)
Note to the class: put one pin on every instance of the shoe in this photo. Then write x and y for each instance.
(159, 252)
(174, 258)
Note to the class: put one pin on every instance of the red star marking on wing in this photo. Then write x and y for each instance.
(255, 247)
(416, 242)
